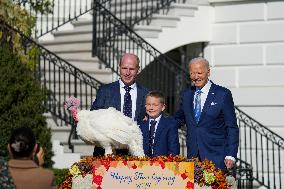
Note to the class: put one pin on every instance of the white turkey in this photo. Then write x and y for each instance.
(107, 127)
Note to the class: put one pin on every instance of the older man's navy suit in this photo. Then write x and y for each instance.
(216, 135)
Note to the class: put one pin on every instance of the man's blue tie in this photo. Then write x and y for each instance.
(197, 105)
(152, 135)
(127, 106)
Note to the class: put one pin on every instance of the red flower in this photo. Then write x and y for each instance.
(99, 187)
(98, 179)
(162, 164)
(183, 176)
(170, 158)
(106, 164)
(124, 162)
(190, 185)
(134, 166)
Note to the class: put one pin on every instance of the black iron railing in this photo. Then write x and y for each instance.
(61, 12)
(112, 38)
(263, 149)
(58, 78)
(244, 175)
(182, 141)
(132, 12)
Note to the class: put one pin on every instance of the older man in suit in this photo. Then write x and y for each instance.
(125, 95)
(208, 112)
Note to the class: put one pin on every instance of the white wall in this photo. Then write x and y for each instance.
(246, 52)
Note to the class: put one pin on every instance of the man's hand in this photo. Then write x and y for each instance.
(229, 163)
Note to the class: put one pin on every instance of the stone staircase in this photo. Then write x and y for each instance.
(75, 46)
(162, 21)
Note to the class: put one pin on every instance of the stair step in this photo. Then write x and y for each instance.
(72, 32)
(60, 133)
(64, 41)
(72, 46)
(164, 20)
(78, 23)
(255, 185)
(54, 122)
(268, 178)
(127, 7)
(86, 63)
(60, 78)
(148, 31)
(79, 147)
(90, 67)
(102, 76)
(87, 67)
(86, 25)
(178, 9)
(80, 56)
(130, 1)
(61, 159)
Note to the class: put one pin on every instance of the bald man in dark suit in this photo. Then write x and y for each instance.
(125, 95)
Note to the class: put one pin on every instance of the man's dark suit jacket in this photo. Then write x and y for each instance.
(166, 140)
(216, 135)
(109, 96)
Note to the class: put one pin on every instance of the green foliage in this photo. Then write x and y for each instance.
(43, 6)
(21, 19)
(24, 20)
(60, 175)
(21, 102)
(16, 16)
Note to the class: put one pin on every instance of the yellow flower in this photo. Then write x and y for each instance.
(74, 170)
(209, 177)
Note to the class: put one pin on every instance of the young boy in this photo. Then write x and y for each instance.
(160, 133)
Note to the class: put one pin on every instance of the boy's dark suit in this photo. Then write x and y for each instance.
(166, 137)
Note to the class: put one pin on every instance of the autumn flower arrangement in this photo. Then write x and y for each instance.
(205, 173)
